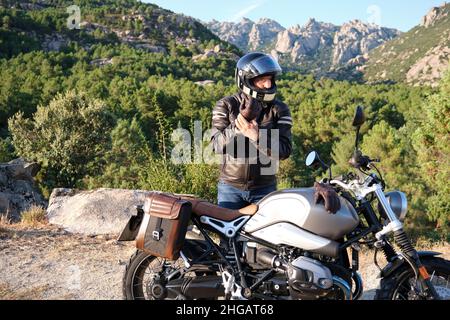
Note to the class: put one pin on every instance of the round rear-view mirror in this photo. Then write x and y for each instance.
(311, 158)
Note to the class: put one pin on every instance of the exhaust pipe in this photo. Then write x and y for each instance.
(343, 285)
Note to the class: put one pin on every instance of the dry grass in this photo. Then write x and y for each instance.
(5, 223)
(36, 293)
(4, 219)
(34, 216)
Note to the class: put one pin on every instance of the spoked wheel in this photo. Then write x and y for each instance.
(144, 277)
(402, 285)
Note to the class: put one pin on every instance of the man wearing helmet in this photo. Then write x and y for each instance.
(263, 124)
(247, 114)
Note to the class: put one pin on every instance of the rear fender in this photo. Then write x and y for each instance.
(131, 230)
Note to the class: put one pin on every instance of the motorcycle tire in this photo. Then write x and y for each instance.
(132, 282)
(142, 264)
(398, 285)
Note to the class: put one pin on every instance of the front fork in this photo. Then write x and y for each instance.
(403, 241)
(410, 252)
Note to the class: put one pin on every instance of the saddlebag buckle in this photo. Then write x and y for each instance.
(156, 235)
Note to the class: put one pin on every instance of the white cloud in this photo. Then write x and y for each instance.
(242, 13)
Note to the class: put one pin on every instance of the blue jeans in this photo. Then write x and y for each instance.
(233, 198)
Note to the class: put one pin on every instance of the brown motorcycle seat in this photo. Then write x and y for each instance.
(202, 207)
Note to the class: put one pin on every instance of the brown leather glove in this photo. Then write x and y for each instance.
(327, 194)
(250, 108)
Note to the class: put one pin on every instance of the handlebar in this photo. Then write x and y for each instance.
(358, 160)
(362, 189)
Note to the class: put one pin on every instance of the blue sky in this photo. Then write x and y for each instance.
(400, 14)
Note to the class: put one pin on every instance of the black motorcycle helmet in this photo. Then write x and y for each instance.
(253, 65)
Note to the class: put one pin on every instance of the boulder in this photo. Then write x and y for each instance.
(20, 169)
(205, 83)
(4, 203)
(17, 188)
(3, 179)
(95, 212)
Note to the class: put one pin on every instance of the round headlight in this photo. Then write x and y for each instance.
(398, 202)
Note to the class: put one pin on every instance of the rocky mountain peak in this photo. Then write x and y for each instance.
(245, 20)
(269, 23)
(315, 40)
(357, 38)
(263, 32)
(295, 29)
(420, 56)
(434, 15)
(312, 25)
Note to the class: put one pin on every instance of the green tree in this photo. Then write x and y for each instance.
(432, 142)
(6, 150)
(6, 22)
(382, 142)
(342, 152)
(68, 137)
(126, 158)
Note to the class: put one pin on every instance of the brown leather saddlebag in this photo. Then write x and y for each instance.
(163, 229)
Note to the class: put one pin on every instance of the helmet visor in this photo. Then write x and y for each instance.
(265, 64)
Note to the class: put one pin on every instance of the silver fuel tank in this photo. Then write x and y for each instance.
(290, 217)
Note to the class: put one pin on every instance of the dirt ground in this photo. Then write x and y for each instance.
(48, 263)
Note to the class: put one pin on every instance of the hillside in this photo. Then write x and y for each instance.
(44, 25)
(118, 44)
(418, 57)
(316, 47)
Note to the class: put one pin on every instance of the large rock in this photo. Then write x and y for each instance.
(435, 14)
(101, 211)
(20, 169)
(263, 33)
(285, 41)
(235, 33)
(358, 38)
(431, 68)
(4, 203)
(17, 188)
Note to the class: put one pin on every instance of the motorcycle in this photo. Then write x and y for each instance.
(287, 247)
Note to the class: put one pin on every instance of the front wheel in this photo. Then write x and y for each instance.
(401, 285)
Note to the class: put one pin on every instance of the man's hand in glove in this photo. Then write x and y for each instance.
(327, 194)
(248, 129)
(250, 109)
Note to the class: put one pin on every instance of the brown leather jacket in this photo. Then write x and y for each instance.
(250, 168)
